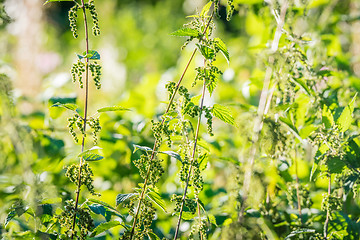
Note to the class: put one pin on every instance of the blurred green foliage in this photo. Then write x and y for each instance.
(313, 109)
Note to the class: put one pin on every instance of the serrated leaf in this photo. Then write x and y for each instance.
(9, 217)
(48, 1)
(152, 236)
(69, 106)
(143, 148)
(223, 113)
(92, 54)
(206, 9)
(173, 154)
(207, 52)
(104, 227)
(91, 157)
(290, 124)
(327, 117)
(156, 198)
(108, 207)
(203, 160)
(299, 231)
(212, 85)
(212, 219)
(186, 32)
(123, 197)
(309, 91)
(89, 151)
(345, 119)
(335, 165)
(112, 109)
(222, 47)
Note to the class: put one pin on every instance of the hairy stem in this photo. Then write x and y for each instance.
(85, 115)
(192, 161)
(156, 144)
(262, 108)
(297, 187)
(326, 224)
(142, 195)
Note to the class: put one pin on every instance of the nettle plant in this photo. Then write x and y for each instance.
(179, 127)
(75, 220)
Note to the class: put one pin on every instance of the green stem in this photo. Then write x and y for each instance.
(85, 115)
(326, 224)
(142, 195)
(192, 161)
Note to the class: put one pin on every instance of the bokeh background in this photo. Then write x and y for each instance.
(138, 57)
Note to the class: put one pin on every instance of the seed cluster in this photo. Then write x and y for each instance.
(91, 7)
(95, 70)
(76, 121)
(189, 204)
(304, 194)
(77, 71)
(72, 172)
(83, 217)
(231, 9)
(72, 18)
(331, 203)
(94, 124)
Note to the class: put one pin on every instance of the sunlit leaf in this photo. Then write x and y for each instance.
(112, 109)
(92, 54)
(327, 117)
(207, 52)
(186, 32)
(48, 1)
(123, 197)
(104, 227)
(206, 9)
(223, 113)
(152, 236)
(299, 231)
(173, 154)
(223, 49)
(156, 198)
(345, 119)
(143, 148)
(69, 106)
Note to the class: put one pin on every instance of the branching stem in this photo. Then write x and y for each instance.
(85, 115)
(142, 195)
(192, 162)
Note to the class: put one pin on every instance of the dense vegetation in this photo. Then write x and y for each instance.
(179, 119)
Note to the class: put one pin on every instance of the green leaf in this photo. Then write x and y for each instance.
(327, 117)
(93, 55)
(345, 119)
(91, 157)
(48, 1)
(223, 113)
(207, 52)
(104, 227)
(212, 85)
(212, 219)
(308, 90)
(335, 165)
(156, 198)
(289, 123)
(123, 197)
(112, 109)
(143, 148)
(203, 160)
(299, 231)
(108, 207)
(186, 32)
(173, 154)
(69, 106)
(206, 9)
(152, 236)
(222, 47)
(86, 154)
